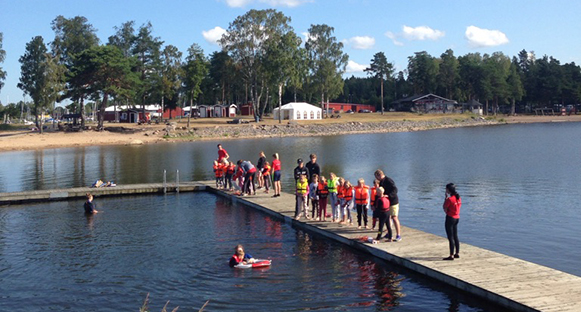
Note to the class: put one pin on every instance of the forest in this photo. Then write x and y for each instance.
(263, 61)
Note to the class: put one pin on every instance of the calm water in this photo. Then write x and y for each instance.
(176, 247)
(519, 182)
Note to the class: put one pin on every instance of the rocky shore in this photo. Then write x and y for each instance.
(296, 129)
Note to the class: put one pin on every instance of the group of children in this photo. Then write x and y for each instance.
(244, 174)
(343, 198)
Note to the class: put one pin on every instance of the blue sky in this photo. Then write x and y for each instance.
(397, 28)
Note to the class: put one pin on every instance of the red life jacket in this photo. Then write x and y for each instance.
(322, 189)
(340, 191)
(348, 193)
(373, 195)
(361, 195)
(218, 171)
(231, 169)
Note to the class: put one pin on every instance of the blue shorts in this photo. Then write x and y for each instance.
(276, 176)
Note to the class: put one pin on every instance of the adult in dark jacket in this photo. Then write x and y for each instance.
(300, 170)
(313, 167)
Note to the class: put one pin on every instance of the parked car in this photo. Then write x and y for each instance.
(349, 112)
(364, 111)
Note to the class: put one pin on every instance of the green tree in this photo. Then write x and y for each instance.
(194, 71)
(280, 62)
(124, 38)
(33, 80)
(422, 72)
(2, 58)
(497, 67)
(73, 36)
(247, 40)
(104, 72)
(515, 87)
(327, 62)
(222, 72)
(171, 73)
(380, 68)
(147, 51)
(448, 74)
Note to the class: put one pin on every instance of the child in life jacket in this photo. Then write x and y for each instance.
(218, 173)
(239, 176)
(323, 192)
(372, 197)
(266, 176)
(361, 202)
(230, 170)
(382, 211)
(313, 195)
(302, 193)
(332, 185)
(348, 196)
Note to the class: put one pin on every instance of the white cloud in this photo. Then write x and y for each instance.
(480, 37)
(393, 38)
(361, 43)
(421, 33)
(274, 3)
(214, 34)
(353, 67)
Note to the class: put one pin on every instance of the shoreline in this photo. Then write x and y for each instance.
(217, 129)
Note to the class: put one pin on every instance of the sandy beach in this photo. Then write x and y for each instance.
(150, 134)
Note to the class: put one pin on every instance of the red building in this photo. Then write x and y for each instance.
(247, 109)
(172, 113)
(354, 107)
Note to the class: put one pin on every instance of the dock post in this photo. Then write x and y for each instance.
(177, 181)
(164, 182)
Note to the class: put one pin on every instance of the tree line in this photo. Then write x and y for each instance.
(264, 62)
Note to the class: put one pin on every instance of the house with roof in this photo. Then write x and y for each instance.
(427, 103)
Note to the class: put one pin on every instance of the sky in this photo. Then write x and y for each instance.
(395, 27)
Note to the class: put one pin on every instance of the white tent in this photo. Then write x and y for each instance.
(298, 111)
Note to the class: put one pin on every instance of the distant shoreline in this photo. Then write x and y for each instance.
(217, 129)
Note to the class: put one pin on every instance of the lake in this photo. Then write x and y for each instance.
(518, 182)
(176, 247)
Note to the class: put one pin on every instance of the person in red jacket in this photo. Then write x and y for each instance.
(452, 206)
(382, 206)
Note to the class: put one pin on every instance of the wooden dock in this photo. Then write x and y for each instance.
(506, 281)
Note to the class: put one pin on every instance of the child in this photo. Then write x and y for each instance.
(372, 201)
(230, 170)
(340, 199)
(217, 173)
(361, 202)
(302, 192)
(313, 195)
(266, 176)
(348, 194)
(323, 192)
(382, 211)
(332, 185)
(240, 177)
(90, 207)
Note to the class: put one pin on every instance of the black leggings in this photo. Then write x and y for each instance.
(383, 218)
(248, 183)
(361, 212)
(452, 233)
(228, 182)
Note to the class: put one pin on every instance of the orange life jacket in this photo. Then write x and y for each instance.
(322, 189)
(266, 170)
(348, 193)
(231, 169)
(361, 195)
(373, 195)
(217, 171)
(340, 191)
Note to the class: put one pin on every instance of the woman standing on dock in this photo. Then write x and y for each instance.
(452, 206)
(276, 166)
